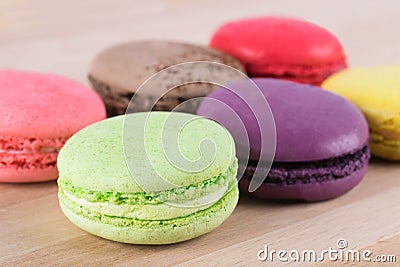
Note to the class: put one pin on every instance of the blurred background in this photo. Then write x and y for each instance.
(63, 36)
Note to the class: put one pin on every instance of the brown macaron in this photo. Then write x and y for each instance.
(117, 72)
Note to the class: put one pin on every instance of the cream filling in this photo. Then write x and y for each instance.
(163, 211)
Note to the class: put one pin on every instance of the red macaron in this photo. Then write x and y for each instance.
(38, 113)
(280, 47)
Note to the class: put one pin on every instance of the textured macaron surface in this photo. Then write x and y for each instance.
(118, 174)
(281, 47)
(126, 66)
(104, 167)
(311, 124)
(37, 105)
(39, 112)
(376, 92)
(151, 70)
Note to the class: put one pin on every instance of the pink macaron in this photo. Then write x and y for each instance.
(38, 113)
(281, 47)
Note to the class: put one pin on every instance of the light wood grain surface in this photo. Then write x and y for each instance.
(63, 36)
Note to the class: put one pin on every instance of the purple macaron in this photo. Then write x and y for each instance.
(321, 139)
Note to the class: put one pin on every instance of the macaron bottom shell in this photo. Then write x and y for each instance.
(386, 151)
(308, 192)
(28, 176)
(152, 231)
(309, 181)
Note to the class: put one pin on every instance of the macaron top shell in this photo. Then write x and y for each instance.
(127, 66)
(278, 41)
(119, 154)
(311, 124)
(37, 105)
(375, 90)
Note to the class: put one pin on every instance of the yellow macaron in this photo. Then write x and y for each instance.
(376, 91)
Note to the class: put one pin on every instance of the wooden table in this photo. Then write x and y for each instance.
(62, 37)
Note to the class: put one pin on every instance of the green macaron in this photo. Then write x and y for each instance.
(149, 178)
